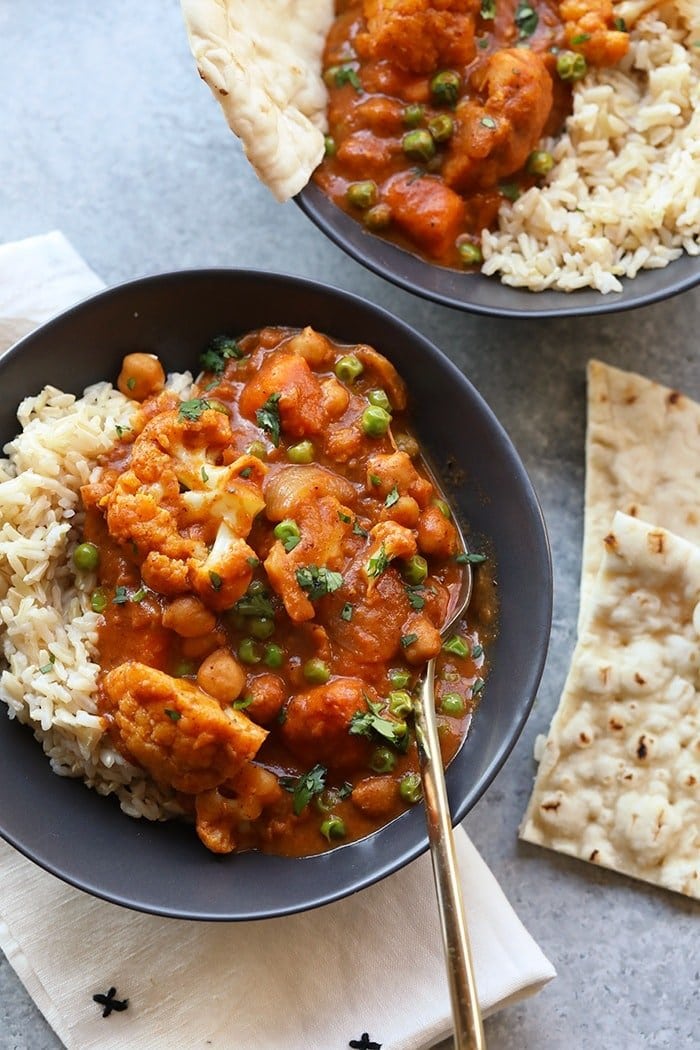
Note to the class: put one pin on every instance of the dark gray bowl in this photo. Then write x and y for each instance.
(163, 868)
(486, 295)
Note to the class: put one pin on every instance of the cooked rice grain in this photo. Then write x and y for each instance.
(48, 632)
(624, 194)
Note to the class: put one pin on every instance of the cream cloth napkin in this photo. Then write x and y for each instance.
(371, 963)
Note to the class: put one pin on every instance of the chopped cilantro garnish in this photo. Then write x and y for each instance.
(243, 702)
(305, 787)
(220, 350)
(346, 612)
(488, 9)
(246, 472)
(477, 686)
(193, 409)
(509, 190)
(215, 580)
(375, 479)
(477, 651)
(121, 596)
(377, 563)
(205, 476)
(47, 667)
(621, 27)
(415, 596)
(580, 38)
(268, 418)
(526, 19)
(345, 790)
(345, 518)
(469, 559)
(317, 580)
(392, 497)
(488, 122)
(255, 604)
(347, 75)
(408, 639)
(173, 715)
(139, 595)
(252, 561)
(358, 530)
(131, 382)
(371, 723)
(120, 430)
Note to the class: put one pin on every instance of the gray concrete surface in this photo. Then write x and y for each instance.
(107, 133)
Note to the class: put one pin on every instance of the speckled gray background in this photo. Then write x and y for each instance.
(107, 133)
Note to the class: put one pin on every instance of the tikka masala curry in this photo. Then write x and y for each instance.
(437, 108)
(274, 564)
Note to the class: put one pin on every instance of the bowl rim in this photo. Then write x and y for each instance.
(418, 843)
(409, 271)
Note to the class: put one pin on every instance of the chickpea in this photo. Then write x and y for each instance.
(221, 676)
(189, 617)
(141, 376)
(198, 648)
(436, 533)
(335, 397)
(269, 693)
(375, 796)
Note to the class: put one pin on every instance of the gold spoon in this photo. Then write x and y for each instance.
(466, 1012)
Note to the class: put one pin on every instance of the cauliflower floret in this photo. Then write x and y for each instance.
(187, 516)
(179, 734)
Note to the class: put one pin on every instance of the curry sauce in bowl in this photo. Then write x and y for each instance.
(255, 613)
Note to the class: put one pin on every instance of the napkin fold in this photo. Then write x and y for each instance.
(367, 970)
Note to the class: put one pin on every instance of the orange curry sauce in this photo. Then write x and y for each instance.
(436, 109)
(274, 565)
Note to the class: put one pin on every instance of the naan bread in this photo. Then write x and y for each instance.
(262, 61)
(642, 457)
(619, 781)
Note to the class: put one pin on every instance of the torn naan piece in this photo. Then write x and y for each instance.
(262, 60)
(619, 781)
(642, 457)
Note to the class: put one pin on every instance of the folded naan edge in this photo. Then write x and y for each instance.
(262, 61)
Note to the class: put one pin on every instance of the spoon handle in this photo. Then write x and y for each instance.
(466, 1012)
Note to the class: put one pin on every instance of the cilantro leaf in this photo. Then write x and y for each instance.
(372, 723)
(255, 603)
(377, 563)
(47, 667)
(173, 715)
(358, 530)
(408, 639)
(392, 497)
(526, 19)
(193, 409)
(346, 612)
(317, 580)
(304, 788)
(415, 596)
(121, 596)
(268, 418)
(469, 559)
(488, 9)
(347, 75)
(215, 580)
(220, 350)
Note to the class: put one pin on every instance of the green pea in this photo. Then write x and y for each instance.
(348, 368)
(383, 760)
(540, 162)
(399, 677)
(248, 652)
(327, 800)
(316, 671)
(362, 194)
(375, 421)
(301, 453)
(400, 703)
(98, 601)
(443, 507)
(288, 533)
(445, 87)
(380, 399)
(470, 254)
(329, 146)
(571, 66)
(419, 145)
(412, 115)
(379, 217)
(86, 557)
(453, 704)
(410, 788)
(415, 569)
(441, 127)
(261, 627)
(274, 655)
(257, 449)
(333, 828)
